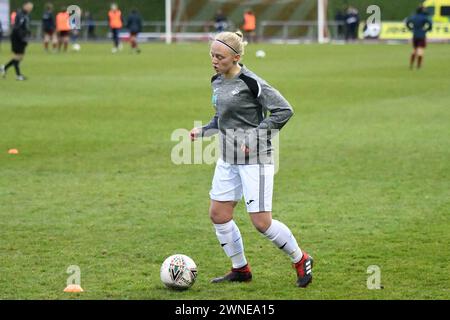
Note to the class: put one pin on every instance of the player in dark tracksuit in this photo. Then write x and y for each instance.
(419, 24)
(49, 26)
(19, 40)
(134, 25)
(351, 23)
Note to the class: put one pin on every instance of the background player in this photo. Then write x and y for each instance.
(48, 27)
(63, 28)
(115, 23)
(419, 24)
(134, 25)
(19, 40)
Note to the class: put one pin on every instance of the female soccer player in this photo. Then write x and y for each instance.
(246, 168)
(419, 24)
(134, 25)
(48, 27)
(19, 40)
(115, 23)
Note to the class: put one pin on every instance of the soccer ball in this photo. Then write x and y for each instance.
(260, 54)
(178, 272)
(76, 47)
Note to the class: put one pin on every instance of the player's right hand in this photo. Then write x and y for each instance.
(195, 132)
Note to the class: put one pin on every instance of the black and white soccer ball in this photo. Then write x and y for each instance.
(178, 272)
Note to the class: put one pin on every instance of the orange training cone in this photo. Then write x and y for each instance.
(13, 151)
(73, 288)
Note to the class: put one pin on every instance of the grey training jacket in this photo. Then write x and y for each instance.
(248, 111)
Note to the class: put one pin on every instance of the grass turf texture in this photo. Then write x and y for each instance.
(363, 179)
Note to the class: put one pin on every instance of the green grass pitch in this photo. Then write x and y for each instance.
(363, 179)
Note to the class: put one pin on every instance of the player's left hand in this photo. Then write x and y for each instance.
(195, 133)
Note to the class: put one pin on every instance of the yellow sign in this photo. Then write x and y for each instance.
(399, 31)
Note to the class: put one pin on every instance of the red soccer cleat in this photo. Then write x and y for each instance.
(243, 274)
(304, 270)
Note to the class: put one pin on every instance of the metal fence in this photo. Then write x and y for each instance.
(203, 30)
(286, 31)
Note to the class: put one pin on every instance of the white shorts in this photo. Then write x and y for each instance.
(253, 181)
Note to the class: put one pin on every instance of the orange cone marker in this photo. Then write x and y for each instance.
(73, 288)
(13, 151)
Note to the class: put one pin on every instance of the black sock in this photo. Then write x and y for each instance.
(9, 64)
(16, 66)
